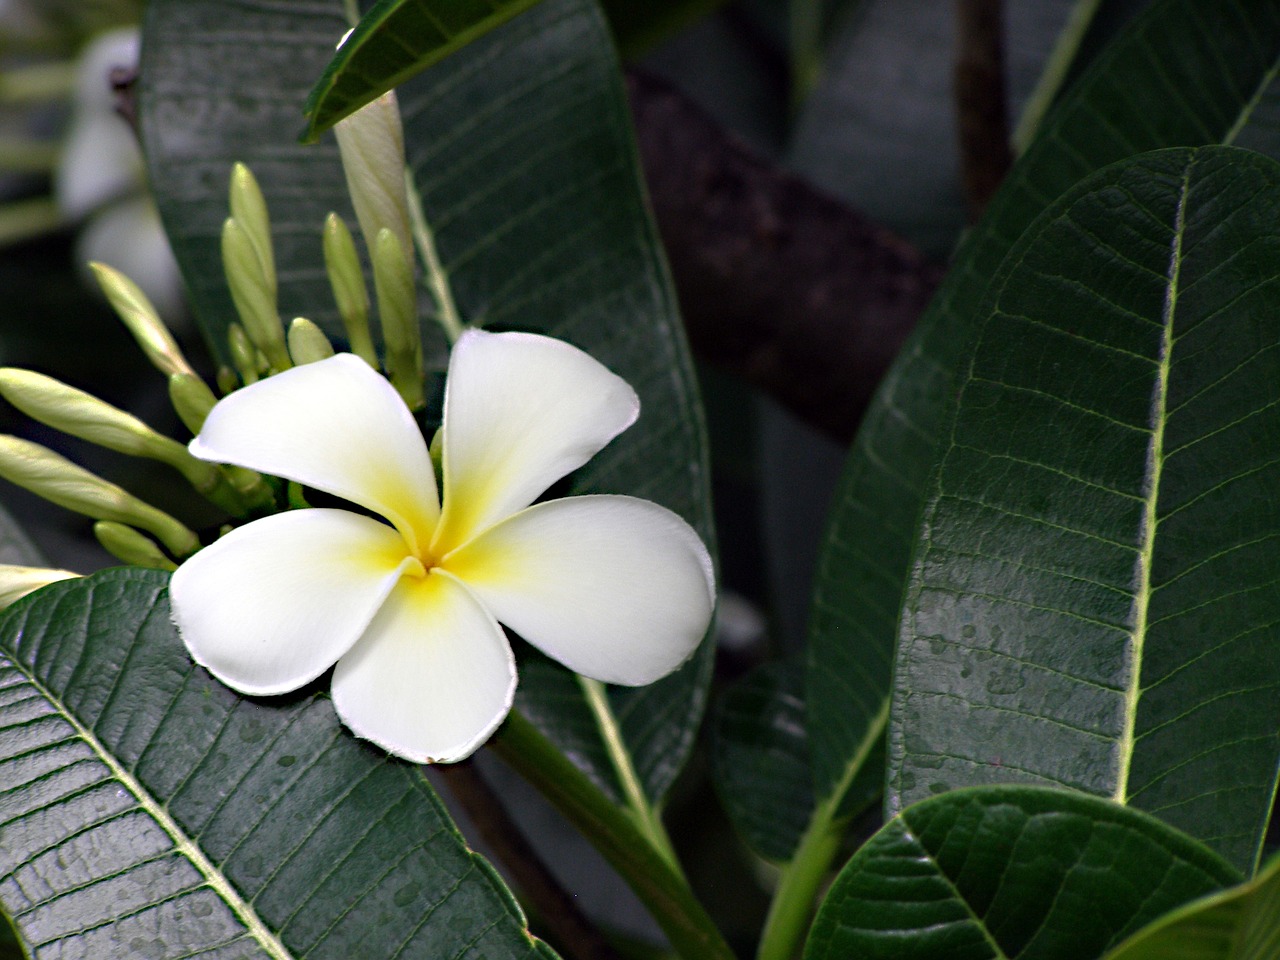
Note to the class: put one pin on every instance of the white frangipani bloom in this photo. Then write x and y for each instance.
(616, 588)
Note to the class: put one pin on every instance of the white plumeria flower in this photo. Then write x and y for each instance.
(615, 588)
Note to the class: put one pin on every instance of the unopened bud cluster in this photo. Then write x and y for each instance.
(371, 143)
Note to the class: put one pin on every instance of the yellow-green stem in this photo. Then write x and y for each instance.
(437, 280)
(648, 820)
(614, 832)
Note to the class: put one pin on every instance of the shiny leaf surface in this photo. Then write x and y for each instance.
(1094, 600)
(1188, 72)
(1009, 873)
(151, 812)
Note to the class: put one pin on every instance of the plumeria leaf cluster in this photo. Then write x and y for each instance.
(455, 445)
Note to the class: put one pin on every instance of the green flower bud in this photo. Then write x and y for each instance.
(371, 142)
(307, 342)
(228, 380)
(60, 481)
(244, 355)
(133, 307)
(254, 297)
(16, 582)
(85, 416)
(130, 546)
(398, 310)
(349, 292)
(249, 210)
(191, 399)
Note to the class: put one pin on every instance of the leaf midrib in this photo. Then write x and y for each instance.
(1151, 496)
(195, 856)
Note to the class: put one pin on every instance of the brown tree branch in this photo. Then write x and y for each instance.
(575, 935)
(981, 112)
(778, 282)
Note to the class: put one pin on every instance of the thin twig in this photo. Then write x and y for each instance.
(981, 110)
(575, 935)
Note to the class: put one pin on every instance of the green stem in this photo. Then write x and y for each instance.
(795, 899)
(648, 820)
(615, 833)
(437, 279)
(1054, 73)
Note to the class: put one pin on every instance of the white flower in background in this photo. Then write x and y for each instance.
(616, 588)
(101, 179)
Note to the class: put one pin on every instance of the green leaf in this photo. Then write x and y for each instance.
(396, 40)
(521, 149)
(151, 812)
(15, 546)
(760, 758)
(1094, 598)
(1242, 923)
(999, 873)
(1188, 72)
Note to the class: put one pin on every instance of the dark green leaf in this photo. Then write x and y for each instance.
(999, 873)
(1189, 72)
(1242, 923)
(396, 40)
(760, 757)
(521, 147)
(1094, 599)
(151, 812)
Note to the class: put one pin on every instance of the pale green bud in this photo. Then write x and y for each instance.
(85, 416)
(307, 342)
(228, 380)
(16, 582)
(127, 544)
(191, 399)
(248, 362)
(253, 296)
(349, 292)
(133, 307)
(371, 142)
(60, 481)
(249, 210)
(398, 310)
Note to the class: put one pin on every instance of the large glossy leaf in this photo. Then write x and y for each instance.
(148, 811)
(1242, 923)
(1000, 873)
(1094, 602)
(760, 757)
(1188, 72)
(521, 148)
(396, 40)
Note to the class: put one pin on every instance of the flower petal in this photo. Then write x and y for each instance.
(431, 678)
(274, 604)
(520, 412)
(338, 426)
(615, 588)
